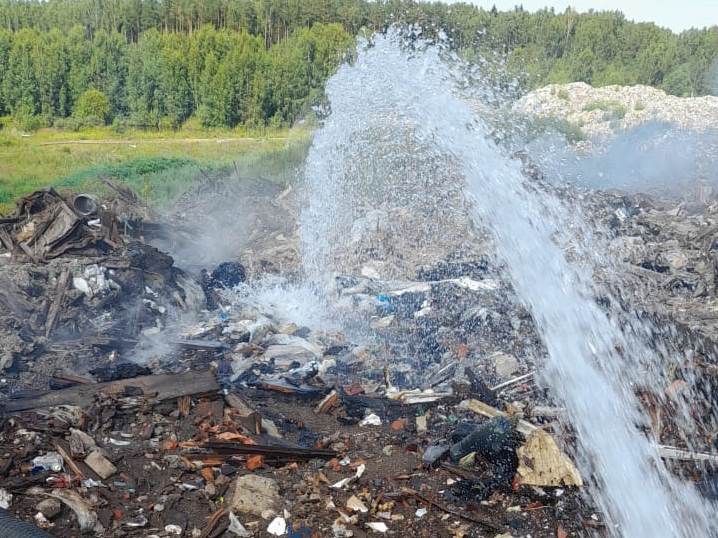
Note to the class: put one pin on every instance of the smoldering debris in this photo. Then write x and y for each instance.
(79, 284)
(419, 408)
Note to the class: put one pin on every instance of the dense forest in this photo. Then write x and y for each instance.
(264, 62)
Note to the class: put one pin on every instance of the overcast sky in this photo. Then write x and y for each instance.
(675, 14)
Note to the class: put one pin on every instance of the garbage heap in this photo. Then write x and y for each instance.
(77, 281)
(668, 254)
(273, 429)
(420, 415)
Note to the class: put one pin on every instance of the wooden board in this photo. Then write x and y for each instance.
(161, 387)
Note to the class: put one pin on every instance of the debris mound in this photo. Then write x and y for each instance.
(422, 416)
(78, 284)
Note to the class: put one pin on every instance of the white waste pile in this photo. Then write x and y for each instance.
(607, 110)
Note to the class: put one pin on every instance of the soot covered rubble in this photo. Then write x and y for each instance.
(140, 402)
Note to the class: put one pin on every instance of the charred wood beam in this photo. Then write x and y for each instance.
(294, 453)
(57, 302)
(160, 387)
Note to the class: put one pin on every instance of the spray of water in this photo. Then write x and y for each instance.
(286, 301)
(399, 84)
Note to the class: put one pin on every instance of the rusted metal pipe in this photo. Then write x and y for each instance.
(85, 204)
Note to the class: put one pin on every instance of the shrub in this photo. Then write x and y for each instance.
(93, 106)
(5, 195)
(614, 110)
(563, 94)
(276, 121)
(620, 112)
(144, 120)
(168, 124)
(92, 121)
(639, 106)
(120, 124)
(67, 124)
(76, 124)
(26, 120)
(551, 124)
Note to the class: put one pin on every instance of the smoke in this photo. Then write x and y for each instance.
(230, 218)
(215, 222)
(245, 213)
(654, 158)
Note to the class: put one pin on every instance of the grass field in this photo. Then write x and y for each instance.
(158, 164)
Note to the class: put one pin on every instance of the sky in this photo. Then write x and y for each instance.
(677, 15)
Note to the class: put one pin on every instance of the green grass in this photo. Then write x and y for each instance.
(158, 164)
(613, 110)
(157, 179)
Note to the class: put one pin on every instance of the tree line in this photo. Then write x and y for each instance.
(260, 62)
(224, 77)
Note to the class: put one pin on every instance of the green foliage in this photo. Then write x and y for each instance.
(133, 171)
(5, 47)
(25, 119)
(32, 162)
(157, 178)
(164, 179)
(229, 82)
(264, 62)
(77, 124)
(544, 125)
(67, 124)
(92, 104)
(279, 165)
(296, 70)
(613, 109)
(20, 89)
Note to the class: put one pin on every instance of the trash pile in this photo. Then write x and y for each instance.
(270, 438)
(422, 416)
(668, 253)
(608, 110)
(77, 279)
